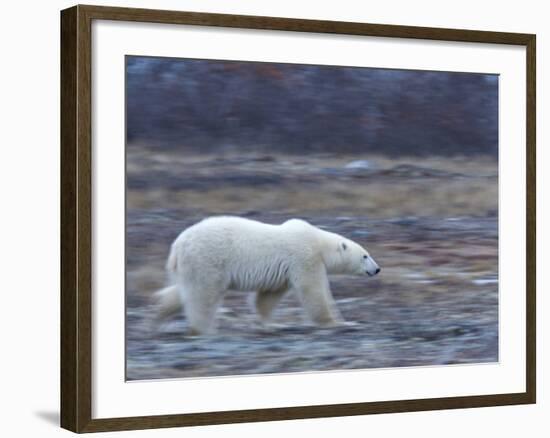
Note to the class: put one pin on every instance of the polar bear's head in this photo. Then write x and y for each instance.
(356, 259)
(350, 258)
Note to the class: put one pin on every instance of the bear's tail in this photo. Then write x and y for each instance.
(172, 262)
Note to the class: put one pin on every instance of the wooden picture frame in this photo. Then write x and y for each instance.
(76, 218)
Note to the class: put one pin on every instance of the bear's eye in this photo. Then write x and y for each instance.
(344, 246)
(365, 257)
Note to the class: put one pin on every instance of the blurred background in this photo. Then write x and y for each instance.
(403, 162)
(221, 106)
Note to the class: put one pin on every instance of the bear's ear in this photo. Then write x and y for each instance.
(344, 246)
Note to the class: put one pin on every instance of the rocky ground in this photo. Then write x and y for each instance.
(435, 301)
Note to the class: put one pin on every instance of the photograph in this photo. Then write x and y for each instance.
(290, 218)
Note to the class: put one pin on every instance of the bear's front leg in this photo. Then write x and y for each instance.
(314, 291)
(267, 300)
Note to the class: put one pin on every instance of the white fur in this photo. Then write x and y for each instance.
(226, 252)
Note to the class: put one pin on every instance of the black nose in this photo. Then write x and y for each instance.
(377, 270)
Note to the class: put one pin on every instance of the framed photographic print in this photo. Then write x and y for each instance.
(270, 218)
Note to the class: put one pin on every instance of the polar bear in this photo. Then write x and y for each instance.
(224, 253)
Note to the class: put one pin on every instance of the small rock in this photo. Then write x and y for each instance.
(360, 164)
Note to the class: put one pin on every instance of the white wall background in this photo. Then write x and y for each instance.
(29, 231)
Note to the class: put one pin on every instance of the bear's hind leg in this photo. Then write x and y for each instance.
(167, 302)
(200, 309)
